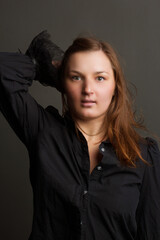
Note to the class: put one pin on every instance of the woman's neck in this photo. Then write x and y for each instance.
(93, 130)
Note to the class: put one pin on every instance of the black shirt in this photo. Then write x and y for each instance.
(112, 203)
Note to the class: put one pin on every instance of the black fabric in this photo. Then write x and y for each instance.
(111, 203)
(46, 56)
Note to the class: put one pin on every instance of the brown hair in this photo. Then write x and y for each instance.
(121, 121)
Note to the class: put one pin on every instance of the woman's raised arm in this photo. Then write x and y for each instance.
(17, 72)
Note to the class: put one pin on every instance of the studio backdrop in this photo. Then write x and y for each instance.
(133, 29)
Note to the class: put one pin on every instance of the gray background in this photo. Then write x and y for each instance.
(131, 26)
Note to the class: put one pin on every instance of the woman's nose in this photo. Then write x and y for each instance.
(87, 87)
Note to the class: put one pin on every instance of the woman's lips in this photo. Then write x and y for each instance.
(87, 103)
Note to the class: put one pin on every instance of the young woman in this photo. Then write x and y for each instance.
(93, 176)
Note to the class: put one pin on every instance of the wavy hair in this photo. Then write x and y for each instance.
(121, 126)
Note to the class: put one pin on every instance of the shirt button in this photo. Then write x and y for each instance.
(85, 191)
(99, 168)
(103, 149)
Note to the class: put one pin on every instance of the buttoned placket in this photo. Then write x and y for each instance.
(96, 173)
(86, 166)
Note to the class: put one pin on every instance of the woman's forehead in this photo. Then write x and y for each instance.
(96, 61)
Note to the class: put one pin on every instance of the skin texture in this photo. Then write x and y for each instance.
(89, 77)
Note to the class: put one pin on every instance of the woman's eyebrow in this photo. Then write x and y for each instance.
(101, 72)
(98, 72)
(75, 71)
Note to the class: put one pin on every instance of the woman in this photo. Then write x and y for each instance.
(93, 175)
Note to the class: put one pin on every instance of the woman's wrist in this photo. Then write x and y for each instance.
(46, 57)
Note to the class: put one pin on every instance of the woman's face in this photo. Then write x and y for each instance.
(89, 84)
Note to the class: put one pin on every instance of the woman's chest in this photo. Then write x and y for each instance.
(68, 169)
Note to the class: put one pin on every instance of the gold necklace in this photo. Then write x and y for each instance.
(91, 135)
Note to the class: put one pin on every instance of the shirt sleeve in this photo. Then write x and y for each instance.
(148, 212)
(21, 110)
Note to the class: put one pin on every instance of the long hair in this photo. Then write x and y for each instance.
(121, 125)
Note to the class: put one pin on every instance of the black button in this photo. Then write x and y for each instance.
(99, 168)
(85, 191)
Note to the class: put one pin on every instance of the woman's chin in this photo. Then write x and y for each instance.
(86, 116)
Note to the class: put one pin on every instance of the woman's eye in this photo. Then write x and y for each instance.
(100, 78)
(75, 77)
